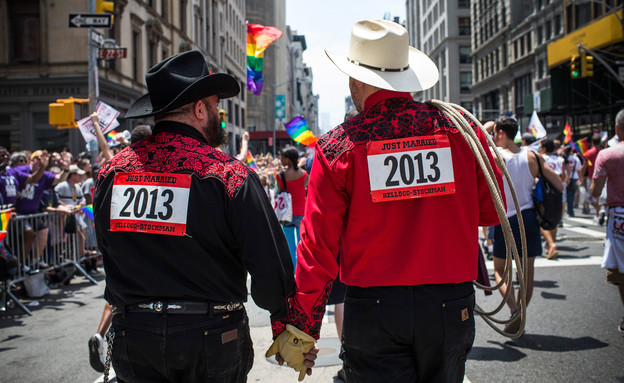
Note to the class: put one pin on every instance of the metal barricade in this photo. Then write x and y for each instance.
(38, 251)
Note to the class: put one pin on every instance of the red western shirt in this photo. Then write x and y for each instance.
(428, 240)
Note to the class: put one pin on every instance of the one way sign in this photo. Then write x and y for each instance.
(98, 20)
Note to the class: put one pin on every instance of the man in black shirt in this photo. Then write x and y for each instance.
(180, 224)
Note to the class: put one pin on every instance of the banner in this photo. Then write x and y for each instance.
(535, 126)
(107, 116)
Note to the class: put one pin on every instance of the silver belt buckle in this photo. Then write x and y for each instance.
(156, 306)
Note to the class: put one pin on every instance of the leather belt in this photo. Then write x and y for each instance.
(179, 307)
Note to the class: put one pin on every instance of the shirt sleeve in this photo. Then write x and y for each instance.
(599, 168)
(322, 225)
(263, 247)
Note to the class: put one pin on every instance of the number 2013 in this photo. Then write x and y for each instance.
(406, 169)
(138, 203)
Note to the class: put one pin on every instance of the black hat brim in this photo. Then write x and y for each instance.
(220, 84)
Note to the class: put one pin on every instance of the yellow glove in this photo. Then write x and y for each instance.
(292, 344)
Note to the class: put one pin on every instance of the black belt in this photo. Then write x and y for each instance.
(179, 307)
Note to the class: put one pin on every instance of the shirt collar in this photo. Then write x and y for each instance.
(179, 128)
(382, 95)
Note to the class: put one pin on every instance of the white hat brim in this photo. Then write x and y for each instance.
(422, 73)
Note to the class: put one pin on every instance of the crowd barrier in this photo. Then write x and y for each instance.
(61, 249)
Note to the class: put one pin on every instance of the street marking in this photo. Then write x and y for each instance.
(584, 231)
(556, 262)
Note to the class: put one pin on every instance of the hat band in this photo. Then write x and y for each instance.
(378, 68)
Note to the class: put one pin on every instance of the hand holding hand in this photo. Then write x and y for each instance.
(296, 348)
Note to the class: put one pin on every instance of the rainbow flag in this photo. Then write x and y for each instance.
(250, 161)
(567, 134)
(5, 216)
(88, 210)
(300, 132)
(3, 235)
(582, 145)
(259, 38)
(110, 135)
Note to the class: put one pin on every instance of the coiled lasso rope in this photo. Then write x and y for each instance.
(452, 112)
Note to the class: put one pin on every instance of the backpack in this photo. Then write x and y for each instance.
(547, 200)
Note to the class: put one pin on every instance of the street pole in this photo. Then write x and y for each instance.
(92, 64)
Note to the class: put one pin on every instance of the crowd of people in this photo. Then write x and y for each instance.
(200, 221)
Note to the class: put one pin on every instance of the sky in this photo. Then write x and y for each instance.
(326, 24)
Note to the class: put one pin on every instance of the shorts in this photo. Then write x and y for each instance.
(615, 277)
(532, 233)
(36, 224)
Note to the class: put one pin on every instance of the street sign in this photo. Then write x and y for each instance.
(96, 37)
(112, 53)
(82, 20)
(280, 106)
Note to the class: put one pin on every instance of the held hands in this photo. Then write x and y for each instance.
(296, 348)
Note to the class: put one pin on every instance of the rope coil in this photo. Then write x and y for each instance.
(452, 111)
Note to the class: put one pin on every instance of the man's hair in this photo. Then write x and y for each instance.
(507, 125)
(140, 132)
(293, 155)
(548, 145)
(619, 119)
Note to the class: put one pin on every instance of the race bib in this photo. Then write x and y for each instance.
(154, 203)
(414, 167)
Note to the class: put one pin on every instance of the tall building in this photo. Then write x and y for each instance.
(42, 59)
(286, 79)
(442, 30)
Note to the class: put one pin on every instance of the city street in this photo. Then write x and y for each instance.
(571, 331)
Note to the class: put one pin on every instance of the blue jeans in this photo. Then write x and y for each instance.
(293, 235)
(570, 192)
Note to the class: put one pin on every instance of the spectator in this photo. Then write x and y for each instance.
(139, 132)
(297, 185)
(575, 165)
(33, 180)
(591, 156)
(523, 167)
(609, 165)
(527, 139)
(18, 159)
(547, 149)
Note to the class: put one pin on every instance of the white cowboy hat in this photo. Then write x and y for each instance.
(380, 55)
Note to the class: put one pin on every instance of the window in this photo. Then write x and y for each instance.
(136, 55)
(464, 26)
(23, 17)
(463, 3)
(464, 55)
(465, 81)
(183, 4)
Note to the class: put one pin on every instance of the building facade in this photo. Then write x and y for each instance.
(42, 59)
(442, 30)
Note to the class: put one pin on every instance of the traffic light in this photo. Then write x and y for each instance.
(104, 6)
(222, 117)
(61, 114)
(575, 67)
(587, 66)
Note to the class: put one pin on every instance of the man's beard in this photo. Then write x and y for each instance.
(213, 132)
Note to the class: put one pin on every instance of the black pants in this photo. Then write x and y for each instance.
(408, 333)
(150, 347)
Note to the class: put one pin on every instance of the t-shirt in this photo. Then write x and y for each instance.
(30, 194)
(8, 187)
(88, 187)
(591, 155)
(610, 163)
(555, 162)
(575, 165)
(66, 196)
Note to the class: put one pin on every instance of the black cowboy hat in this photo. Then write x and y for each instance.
(180, 80)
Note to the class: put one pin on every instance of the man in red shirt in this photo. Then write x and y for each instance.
(397, 191)
(609, 164)
(590, 156)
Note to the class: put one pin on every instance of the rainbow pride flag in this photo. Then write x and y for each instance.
(3, 235)
(582, 145)
(567, 134)
(88, 210)
(5, 216)
(110, 135)
(259, 38)
(300, 132)
(250, 161)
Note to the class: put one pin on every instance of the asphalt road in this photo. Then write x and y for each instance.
(570, 333)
